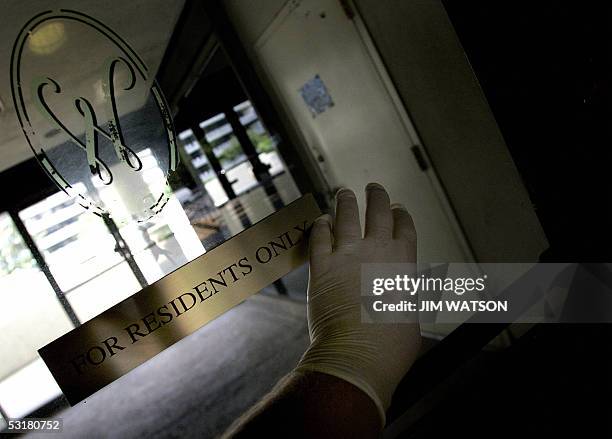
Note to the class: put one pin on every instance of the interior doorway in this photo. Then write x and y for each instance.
(321, 63)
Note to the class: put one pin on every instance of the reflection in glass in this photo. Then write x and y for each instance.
(222, 142)
(165, 244)
(77, 246)
(31, 300)
(89, 262)
(97, 263)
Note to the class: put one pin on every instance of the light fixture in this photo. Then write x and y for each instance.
(47, 38)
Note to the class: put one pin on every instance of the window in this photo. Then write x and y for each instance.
(26, 294)
(226, 148)
(81, 254)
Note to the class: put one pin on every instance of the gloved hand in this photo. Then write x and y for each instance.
(373, 357)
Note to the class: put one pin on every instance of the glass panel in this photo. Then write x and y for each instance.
(29, 388)
(103, 291)
(95, 117)
(94, 112)
(227, 149)
(202, 167)
(164, 243)
(32, 303)
(80, 252)
(76, 246)
(264, 143)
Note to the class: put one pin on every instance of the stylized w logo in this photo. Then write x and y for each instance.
(114, 134)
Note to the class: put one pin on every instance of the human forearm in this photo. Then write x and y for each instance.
(310, 405)
(343, 384)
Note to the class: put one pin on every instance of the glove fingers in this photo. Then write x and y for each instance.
(347, 227)
(403, 225)
(320, 238)
(379, 221)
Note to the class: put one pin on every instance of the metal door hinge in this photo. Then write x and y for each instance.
(347, 8)
(420, 158)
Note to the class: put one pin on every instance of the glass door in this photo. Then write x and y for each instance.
(82, 254)
(120, 210)
(33, 316)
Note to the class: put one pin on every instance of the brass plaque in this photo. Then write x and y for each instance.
(136, 329)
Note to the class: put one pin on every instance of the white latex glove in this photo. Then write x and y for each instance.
(373, 357)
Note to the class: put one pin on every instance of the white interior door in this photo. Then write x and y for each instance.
(366, 135)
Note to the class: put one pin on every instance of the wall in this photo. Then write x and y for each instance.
(429, 68)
